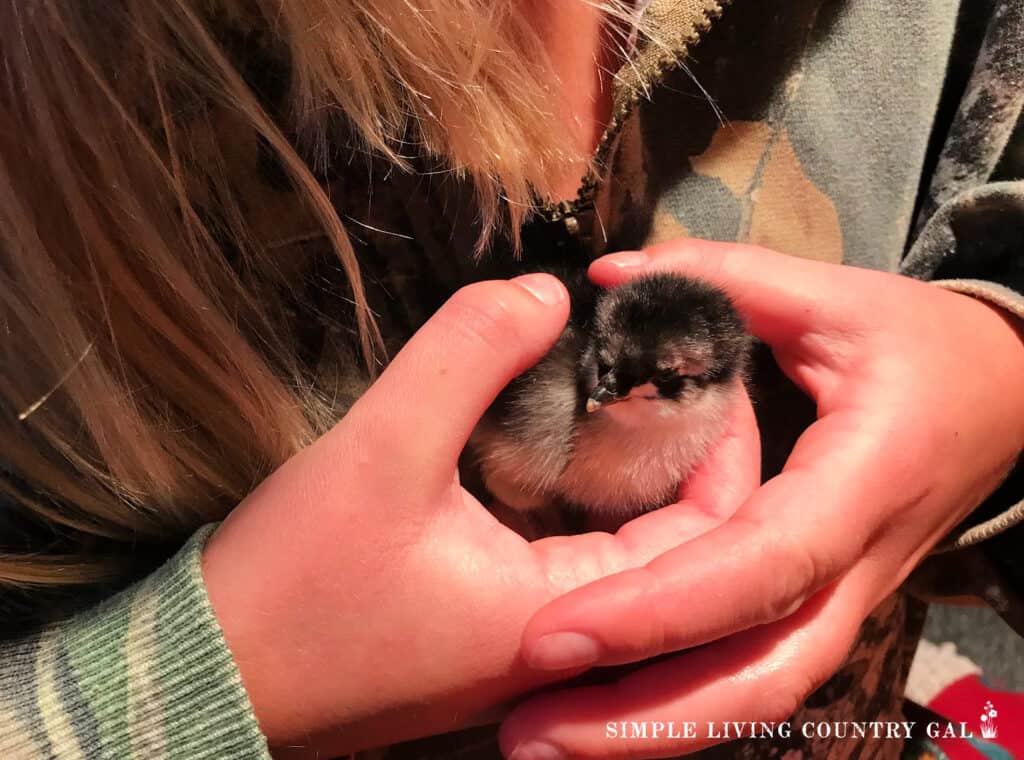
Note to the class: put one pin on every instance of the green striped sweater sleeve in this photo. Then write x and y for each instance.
(146, 674)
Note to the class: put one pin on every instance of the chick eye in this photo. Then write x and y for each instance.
(669, 385)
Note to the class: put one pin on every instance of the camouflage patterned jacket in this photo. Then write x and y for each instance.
(885, 135)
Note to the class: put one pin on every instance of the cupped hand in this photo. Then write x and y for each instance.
(366, 597)
(920, 406)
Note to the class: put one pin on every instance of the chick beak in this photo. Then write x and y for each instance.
(602, 396)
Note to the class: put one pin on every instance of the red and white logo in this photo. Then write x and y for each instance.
(989, 727)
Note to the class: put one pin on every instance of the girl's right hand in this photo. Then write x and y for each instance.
(366, 597)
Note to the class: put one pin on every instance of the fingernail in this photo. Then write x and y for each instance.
(545, 288)
(562, 651)
(627, 259)
(536, 751)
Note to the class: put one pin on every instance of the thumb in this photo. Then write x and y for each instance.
(731, 472)
(424, 406)
(782, 297)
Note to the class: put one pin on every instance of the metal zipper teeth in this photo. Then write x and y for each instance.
(553, 212)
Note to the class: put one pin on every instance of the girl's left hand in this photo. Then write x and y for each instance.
(920, 399)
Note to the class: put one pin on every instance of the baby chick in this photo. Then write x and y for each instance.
(624, 406)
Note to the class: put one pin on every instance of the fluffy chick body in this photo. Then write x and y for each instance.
(655, 362)
(625, 405)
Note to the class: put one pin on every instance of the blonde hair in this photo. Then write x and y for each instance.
(148, 382)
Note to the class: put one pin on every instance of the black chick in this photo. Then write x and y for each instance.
(626, 403)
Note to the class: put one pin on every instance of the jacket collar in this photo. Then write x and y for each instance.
(671, 29)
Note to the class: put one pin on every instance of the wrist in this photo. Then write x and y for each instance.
(242, 596)
(1008, 349)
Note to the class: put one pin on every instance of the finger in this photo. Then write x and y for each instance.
(761, 675)
(781, 296)
(716, 489)
(571, 561)
(732, 470)
(795, 535)
(424, 406)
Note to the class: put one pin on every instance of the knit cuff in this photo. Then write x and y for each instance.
(145, 674)
(1011, 302)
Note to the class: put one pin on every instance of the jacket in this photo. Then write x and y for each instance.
(873, 134)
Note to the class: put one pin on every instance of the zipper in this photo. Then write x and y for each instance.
(568, 211)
